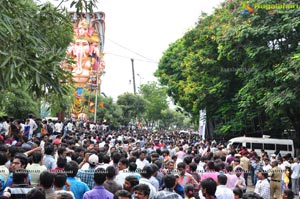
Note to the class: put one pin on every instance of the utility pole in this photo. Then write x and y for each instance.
(133, 77)
(96, 97)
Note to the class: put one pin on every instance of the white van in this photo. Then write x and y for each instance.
(270, 145)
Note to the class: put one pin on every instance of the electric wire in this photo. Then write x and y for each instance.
(116, 43)
(125, 57)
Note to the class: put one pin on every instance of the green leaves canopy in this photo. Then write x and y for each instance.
(243, 68)
(33, 40)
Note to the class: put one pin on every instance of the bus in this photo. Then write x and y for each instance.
(269, 145)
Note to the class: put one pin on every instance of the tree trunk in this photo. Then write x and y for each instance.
(294, 116)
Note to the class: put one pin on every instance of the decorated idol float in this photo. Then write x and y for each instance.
(86, 50)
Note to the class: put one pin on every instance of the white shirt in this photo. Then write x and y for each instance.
(262, 188)
(267, 167)
(283, 171)
(223, 192)
(295, 170)
(104, 166)
(140, 164)
(58, 126)
(120, 177)
(5, 126)
(33, 126)
(70, 126)
(4, 172)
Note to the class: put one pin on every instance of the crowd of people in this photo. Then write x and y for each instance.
(84, 160)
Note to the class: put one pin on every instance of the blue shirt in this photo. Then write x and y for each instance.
(49, 162)
(77, 187)
(99, 192)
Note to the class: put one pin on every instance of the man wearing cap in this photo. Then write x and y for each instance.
(87, 175)
(275, 175)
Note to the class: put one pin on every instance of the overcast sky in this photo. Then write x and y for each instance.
(143, 30)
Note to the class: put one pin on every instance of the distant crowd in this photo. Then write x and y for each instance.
(85, 160)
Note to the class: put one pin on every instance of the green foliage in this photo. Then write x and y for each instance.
(18, 103)
(84, 6)
(110, 112)
(133, 106)
(243, 68)
(174, 120)
(150, 107)
(156, 98)
(59, 103)
(33, 40)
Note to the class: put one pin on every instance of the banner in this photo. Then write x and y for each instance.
(202, 123)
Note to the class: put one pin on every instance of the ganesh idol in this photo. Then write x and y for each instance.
(79, 51)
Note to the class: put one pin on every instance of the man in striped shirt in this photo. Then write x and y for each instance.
(19, 188)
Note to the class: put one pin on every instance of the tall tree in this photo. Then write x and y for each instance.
(267, 43)
(133, 107)
(241, 66)
(197, 78)
(156, 98)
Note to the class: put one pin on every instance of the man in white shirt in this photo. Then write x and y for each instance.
(123, 171)
(141, 161)
(35, 168)
(2, 128)
(58, 127)
(33, 126)
(70, 127)
(295, 175)
(5, 126)
(262, 186)
(222, 191)
(266, 166)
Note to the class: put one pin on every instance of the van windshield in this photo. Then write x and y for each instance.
(237, 145)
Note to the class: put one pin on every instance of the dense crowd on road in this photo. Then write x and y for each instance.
(85, 160)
